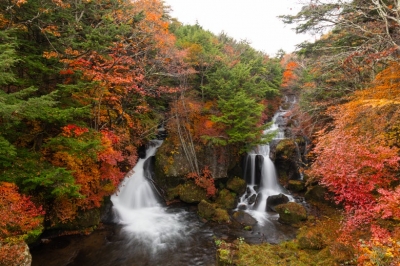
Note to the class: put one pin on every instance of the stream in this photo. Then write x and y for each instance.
(147, 232)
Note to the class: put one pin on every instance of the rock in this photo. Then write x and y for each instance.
(237, 185)
(244, 218)
(296, 185)
(206, 209)
(171, 162)
(210, 211)
(190, 193)
(252, 199)
(84, 220)
(221, 216)
(242, 207)
(142, 151)
(273, 201)
(291, 213)
(226, 199)
(15, 254)
(286, 157)
(259, 163)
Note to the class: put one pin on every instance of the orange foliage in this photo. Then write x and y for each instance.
(204, 180)
(358, 160)
(18, 213)
(289, 75)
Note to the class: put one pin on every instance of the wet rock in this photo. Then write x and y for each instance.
(252, 199)
(275, 200)
(259, 163)
(237, 185)
(242, 207)
(244, 218)
(142, 151)
(296, 185)
(291, 213)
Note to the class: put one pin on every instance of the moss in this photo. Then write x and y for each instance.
(296, 185)
(173, 193)
(84, 220)
(294, 253)
(291, 213)
(206, 210)
(237, 185)
(190, 193)
(221, 216)
(226, 199)
(211, 212)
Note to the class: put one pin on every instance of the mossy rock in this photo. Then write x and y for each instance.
(237, 185)
(206, 209)
(84, 220)
(221, 216)
(296, 185)
(211, 212)
(244, 218)
(173, 193)
(190, 193)
(291, 213)
(226, 199)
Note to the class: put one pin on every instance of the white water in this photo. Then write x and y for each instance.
(269, 185)
(148, 224)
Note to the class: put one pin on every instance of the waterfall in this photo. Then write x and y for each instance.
(260, 175)
(144, 218)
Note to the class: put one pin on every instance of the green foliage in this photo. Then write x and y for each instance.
(54, 182)
(80, 147)
(39, 177)
(7, 152)
(240, 115)
(7, 59)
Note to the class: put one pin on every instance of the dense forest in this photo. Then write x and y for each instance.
(86, 84)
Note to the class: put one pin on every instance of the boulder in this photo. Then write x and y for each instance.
(15, 253)
(275, 200)
(190, 193)
(252, 199)
(237, 185)
(226, 199)
(244, 218)
(211, 212)
(291, 213)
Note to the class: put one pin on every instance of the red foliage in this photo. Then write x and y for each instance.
(73, 130)
(18, 213)
(357, 160)
(109, 158)
(205, 180)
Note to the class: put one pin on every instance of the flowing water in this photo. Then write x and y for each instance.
(265, 183)
(146, 232)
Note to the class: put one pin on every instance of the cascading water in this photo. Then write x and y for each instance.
(137, 206)
(261, 177)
